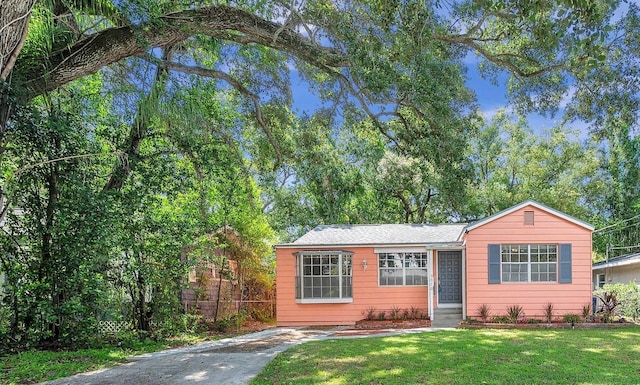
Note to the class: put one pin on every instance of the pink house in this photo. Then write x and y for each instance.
(528, 255)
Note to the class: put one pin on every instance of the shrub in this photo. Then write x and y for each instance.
(381, 315)
(500, 319)
(370, 314)
(484, 312)
(586, 312)
(514, 313)
(415, 312)
(548, 312)
(571, 318)
(534, 321)
(619, 299)
(232, 322)
(406, 314)
(395, 313)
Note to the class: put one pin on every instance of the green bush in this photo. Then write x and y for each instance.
(370, 314)
(484, 312)
(232, 322)
(514, 313)
(619, 299)
(500, 319)
(548, 312)
(586, 312)
(394, 313)
(571, 318)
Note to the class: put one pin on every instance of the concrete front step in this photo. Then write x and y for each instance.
(446, 318)
(446, 310)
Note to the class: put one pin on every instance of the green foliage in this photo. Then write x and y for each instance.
(232, 322)
(619, 299)
(512, 164)
(395, 313)
(484, 312)
(586, 312)
(394, 139)
(571, 318)
(370, 313)
(515, 313)
(34, 366)
(501, 319)
(548, 312)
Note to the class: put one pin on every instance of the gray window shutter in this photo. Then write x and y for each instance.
(494, 263)
(565, 263)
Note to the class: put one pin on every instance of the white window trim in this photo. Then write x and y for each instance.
(325, 300)
(529, 263)
(299, 273)
(404, 276)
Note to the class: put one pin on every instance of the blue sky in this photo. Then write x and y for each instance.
(490, 99)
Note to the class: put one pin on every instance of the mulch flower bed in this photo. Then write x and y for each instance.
(393, 324)
(543, 325)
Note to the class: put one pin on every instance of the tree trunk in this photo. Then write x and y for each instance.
(14, 21)
(221, 273)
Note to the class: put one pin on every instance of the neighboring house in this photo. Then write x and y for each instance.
(528, 255)
(621, 269)
(209, 293)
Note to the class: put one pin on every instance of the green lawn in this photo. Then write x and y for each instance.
(597, 356)
(36, 365)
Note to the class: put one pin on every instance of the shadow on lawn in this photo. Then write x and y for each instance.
(467, 356)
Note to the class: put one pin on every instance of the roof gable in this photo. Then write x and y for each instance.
(524, 204)
(383, 234)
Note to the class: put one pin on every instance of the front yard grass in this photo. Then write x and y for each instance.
(484, 356)
(34, 366)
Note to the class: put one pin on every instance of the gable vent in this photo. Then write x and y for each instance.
(528, 218)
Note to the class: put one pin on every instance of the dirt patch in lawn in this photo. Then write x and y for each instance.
(269, 342)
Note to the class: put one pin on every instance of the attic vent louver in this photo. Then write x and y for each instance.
(528, 218)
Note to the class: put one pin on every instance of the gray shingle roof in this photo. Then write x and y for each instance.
(627, 259)
(395, 234)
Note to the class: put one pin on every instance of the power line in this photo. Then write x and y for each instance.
(616, 224)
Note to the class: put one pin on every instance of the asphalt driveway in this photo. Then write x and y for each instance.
(232, 361)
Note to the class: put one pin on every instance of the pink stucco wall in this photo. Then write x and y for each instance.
(366, 293)
(510, 229)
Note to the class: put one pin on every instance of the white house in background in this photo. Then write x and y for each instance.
(622, 269)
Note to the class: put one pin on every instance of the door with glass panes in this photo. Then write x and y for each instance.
(450, 277)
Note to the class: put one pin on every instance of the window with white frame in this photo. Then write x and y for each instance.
(403, 269)
(529, 263)
(323, 276)
(601, 280)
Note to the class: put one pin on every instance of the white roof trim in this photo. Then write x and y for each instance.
(524, 204)
(423, 246)
(379, 250)
(615, 263)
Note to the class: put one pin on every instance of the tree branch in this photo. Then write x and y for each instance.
(15, 37)
(472, 43)
(114, 44)
(196, 70)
